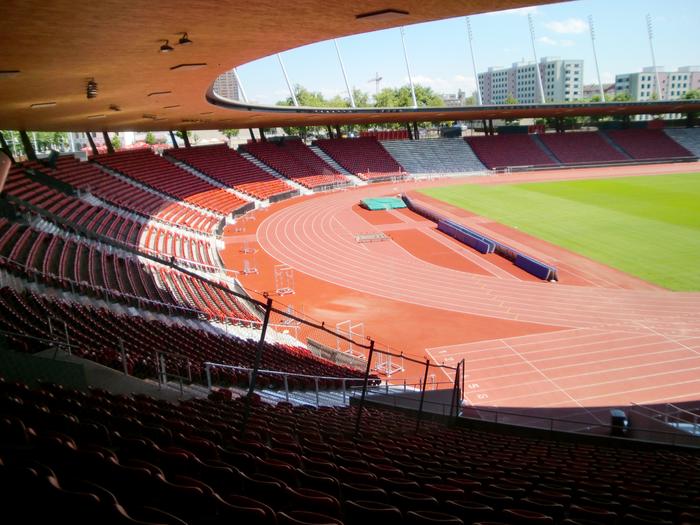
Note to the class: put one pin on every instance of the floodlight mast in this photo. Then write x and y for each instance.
(345, 76)
(476, 74)
(240, 85)
(289, 84)
(595, 58)
(534, 53)
(650, 32)
(408, 68)
(479, 100)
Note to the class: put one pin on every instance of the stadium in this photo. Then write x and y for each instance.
(497, 328)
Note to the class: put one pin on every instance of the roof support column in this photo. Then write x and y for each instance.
(28, 148)
(5, 148)
(408, 130)
(92, 143)
(252, 135)
(416, 135)
(108, 142)
(338, 134)
(173, 140)
(490, 126)
(263, 138)
(186, 138)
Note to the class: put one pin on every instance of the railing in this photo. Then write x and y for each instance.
(208, 366)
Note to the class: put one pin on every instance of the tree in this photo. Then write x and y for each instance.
(116, 142)
(692, 94)
(150, 138)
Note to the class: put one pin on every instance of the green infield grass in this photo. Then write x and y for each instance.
(645, 226)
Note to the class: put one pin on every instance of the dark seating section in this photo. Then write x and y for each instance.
(644, 144)
(227, 166)
(99, 458)
(296, 161)
(364, 157)
(510, 150)
(156, 172)
(88, 177)
(95, 334)
(581, 147)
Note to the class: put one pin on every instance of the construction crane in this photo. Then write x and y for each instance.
(377, 79)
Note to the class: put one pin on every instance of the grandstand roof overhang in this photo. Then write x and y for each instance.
(56, 47)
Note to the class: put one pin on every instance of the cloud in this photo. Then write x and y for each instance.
(570, 26)
(551, 42)
(520, 11)
(546, 41)
(607, 77)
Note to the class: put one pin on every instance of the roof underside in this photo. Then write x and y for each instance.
(58, 46)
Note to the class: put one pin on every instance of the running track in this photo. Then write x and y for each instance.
(616, 346)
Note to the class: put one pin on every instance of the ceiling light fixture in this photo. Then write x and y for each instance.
(166, 48)
(383, 15)
(92, 117)
(183, 67)
(41, 105)
(8, 73)
(157, 93)
(184, 41)
(171, 107)
(91, 88)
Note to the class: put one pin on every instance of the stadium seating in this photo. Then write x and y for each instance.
(296, 161)
(229, 168)
(102, 458)
(581, 148)
(511, 150)
(161, 175)
(689, 138)
(88, 177)
(364, 156)
(648, 144)
(438, 156)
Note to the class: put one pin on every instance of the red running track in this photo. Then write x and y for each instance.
(615, 347)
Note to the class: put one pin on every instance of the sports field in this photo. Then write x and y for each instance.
(646, 226)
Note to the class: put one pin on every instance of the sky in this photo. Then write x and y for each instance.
(439, 57)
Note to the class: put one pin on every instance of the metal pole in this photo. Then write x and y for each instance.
(261, 344)
(408, 68)
(422, 394)
(454, 389)
(364, 386)
(207, 372)
(534, 53)
(286, 78)
(163, 371)
(65, 328)
(650, 31)
(595, 57)
(317, 401)
(286, 388)
(476, 75)
(345, 76)
(244, 97)
(72, 141)
(123, 352)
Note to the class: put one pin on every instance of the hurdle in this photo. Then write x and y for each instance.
(349, 330)
(386, 364)
(284, 279)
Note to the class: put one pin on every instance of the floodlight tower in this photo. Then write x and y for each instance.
(240, 85)
(408, 69)
(650, 32)
(595, 57)
(345, 76)
(534, 53)
(289, 84)
(476, 75)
